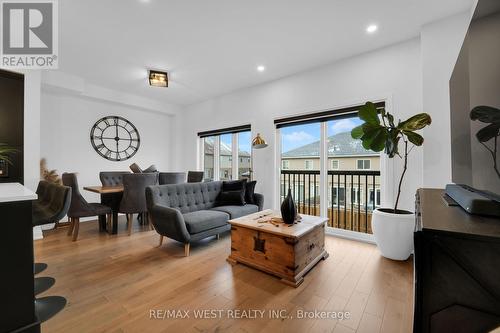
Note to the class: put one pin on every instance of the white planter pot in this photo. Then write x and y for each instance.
(393, 234)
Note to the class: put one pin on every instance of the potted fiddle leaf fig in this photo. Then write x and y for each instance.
(5, 151)
(488, 115)
(392, 227)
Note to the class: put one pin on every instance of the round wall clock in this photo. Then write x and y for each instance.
(115, 138)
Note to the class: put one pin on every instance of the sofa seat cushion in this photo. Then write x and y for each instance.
(203, 220)
(237, 211)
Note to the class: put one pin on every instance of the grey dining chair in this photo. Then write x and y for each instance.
(134, 196)
(172, 178)
(195, 176)
(79, 207)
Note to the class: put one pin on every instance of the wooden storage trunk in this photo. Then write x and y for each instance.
(286, 251)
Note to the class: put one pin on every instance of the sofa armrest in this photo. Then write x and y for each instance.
(169, 222)
(259, 200)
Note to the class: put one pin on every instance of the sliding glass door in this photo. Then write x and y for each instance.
(320, 157)
(352, 173)
(300, 166)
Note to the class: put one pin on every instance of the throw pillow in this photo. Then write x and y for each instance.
(249, 192)
(233, 185)
(231, 198)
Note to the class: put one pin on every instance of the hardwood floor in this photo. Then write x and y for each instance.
(112, 284)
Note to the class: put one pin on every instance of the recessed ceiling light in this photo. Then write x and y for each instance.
(371, 28)
(261, 68)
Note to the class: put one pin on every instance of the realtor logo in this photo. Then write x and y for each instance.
(29, 34)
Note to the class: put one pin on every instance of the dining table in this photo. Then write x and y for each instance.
(114, 193)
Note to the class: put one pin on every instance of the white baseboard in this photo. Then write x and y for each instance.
(353, 235)
(37, 233)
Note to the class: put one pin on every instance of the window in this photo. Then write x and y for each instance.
(285, 164)
(226, 156)
(298, 193)
(374, 196)
(308, 164)
(356, 196)
(227, 153)
(313, 190)
(244, 153)
(208, 157)
(364, 164)
(337, 196)
(335, 164)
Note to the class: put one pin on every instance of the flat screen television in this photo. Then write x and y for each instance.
(475, 82)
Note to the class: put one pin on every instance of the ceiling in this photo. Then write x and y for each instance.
(213, 47)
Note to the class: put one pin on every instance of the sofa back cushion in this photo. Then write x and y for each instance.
(186, 197)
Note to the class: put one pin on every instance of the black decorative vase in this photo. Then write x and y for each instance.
(289, 209)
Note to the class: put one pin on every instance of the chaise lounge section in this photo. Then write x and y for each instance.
(188, 212)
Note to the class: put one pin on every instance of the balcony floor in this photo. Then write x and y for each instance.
(112, 283)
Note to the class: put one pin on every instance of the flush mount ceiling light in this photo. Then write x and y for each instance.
(158, 79)
(371, 28)
(261, 68)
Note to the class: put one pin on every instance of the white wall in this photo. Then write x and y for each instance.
(393, 73)
(32, 91)
(66, 120)
(441, 42)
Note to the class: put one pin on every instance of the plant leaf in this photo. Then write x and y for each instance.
(5, 151)
(369, 133)
(485, 114)
(357, 132)
(369, 114)
(414, 138)
(487, 133)
(378, 142)
(416, 122)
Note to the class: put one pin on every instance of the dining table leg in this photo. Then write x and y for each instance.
(102, 222)
(115, 222)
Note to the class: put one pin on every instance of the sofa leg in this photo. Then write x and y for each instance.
(76, 227)
(161, 240)
(150, 222)
(217, 236)
(186, 249)
(71, 225)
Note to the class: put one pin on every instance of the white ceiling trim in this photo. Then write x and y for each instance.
(63, 83)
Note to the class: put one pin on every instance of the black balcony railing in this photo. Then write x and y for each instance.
(352, 195)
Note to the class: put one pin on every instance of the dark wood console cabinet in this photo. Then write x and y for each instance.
(457, 268)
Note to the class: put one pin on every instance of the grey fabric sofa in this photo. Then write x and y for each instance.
(188, 212)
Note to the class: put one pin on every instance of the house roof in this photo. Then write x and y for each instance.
(225, 150)
(341, 144)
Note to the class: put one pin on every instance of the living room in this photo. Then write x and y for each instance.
(226, 166)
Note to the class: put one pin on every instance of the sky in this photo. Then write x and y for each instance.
(244, 140)
(296, 136)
